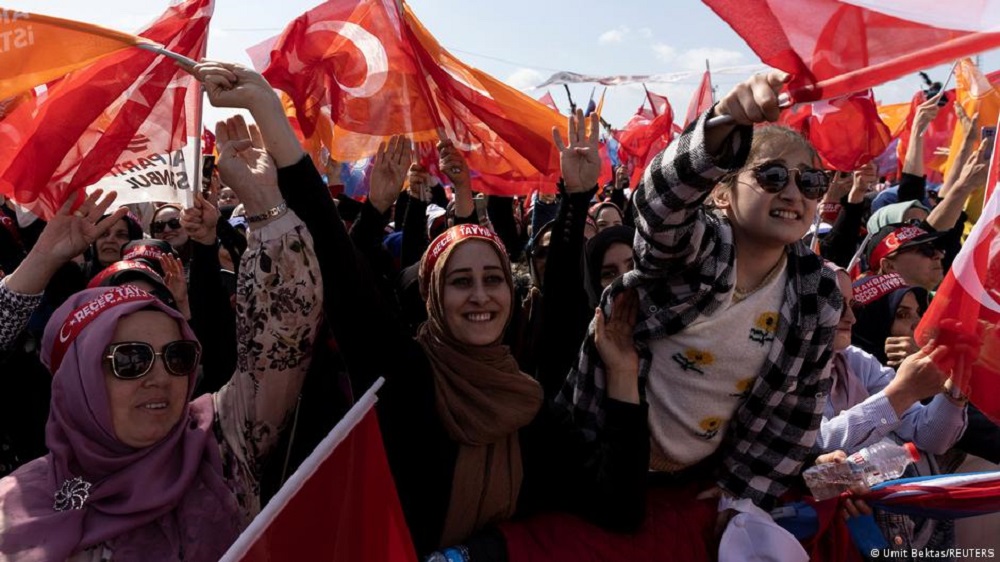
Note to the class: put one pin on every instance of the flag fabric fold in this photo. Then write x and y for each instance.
(833, 48)
(946, 496)
(339, 506)
(38, 49)
(967, 305)
(374, 73)
(701, 101)
(645, 135)
(109, 118)
(846, 131)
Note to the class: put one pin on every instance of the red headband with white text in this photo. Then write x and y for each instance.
(87, 313)
(450, 237)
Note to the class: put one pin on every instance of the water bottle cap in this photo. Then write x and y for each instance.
(912, 449)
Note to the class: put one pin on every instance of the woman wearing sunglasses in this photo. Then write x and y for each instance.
(136, 469)
(726, 382)
(166, 226)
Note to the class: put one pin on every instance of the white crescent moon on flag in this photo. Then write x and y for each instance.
(964, 266)
(369, 46)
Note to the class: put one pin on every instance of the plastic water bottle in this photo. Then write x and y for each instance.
(872, 465)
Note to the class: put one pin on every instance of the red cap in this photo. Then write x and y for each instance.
(912, 449)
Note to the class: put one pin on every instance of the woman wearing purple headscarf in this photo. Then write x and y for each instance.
(136, 470)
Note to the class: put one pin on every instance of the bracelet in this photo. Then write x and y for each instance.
(275, 211)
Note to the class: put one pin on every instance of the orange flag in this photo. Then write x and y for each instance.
(894, 116)
(37, 49)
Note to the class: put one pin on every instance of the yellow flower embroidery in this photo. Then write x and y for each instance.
(743, 387)
(710, 427)
(768, 322)
(693, 359)
(764, 328)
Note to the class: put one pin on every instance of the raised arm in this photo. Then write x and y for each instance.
(669, 203)
(925, 115)
(278, 301)
(65, 236)
(354, 308)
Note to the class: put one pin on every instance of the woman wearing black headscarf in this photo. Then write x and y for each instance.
(888, 311)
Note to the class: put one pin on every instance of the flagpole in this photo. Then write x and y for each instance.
(711, 88)
(650, 98)
(161, 50)
(305, 470)
(857, 255)
(572, 106)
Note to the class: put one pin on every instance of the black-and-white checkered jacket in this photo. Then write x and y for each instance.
(685, 268)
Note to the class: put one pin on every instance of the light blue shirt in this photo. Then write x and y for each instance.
(933, 428)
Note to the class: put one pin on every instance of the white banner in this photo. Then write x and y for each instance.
(154, 178)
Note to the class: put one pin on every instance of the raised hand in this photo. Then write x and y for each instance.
(176, 282)
(453, 164)
(245, 166)
(67, 234)
(616, 346)
(751, 102)
(919, 376)
(418, 180)
(200, 221)
(925, 114)
(898, 348)
(754, 101)
(580, 161)
(389, 170)
(233, 85)
(864, 179)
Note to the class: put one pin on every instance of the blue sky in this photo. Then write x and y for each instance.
(519, 41)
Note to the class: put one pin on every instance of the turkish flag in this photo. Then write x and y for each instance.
(644, 137)
(967, 305)
(549, 101)
(339, 506)
(124, 105)
(377, 72)
(701, 101)
(834, 48)
(846, 132)
(658, 105)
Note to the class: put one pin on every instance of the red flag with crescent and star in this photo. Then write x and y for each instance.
(105, 116)
(375, 72)
(965, 311)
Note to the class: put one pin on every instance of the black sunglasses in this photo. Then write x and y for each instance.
(133, 360)
(157, 226)
(774, 176)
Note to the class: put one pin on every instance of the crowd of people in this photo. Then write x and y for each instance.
(607, 373)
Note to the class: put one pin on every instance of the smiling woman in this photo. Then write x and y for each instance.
(136, 469)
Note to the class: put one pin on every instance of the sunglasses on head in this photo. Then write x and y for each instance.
(926, 250)
(774, 176)
(133, 360)
(157, 226)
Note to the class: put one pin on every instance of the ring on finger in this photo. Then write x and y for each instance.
(79, 214)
